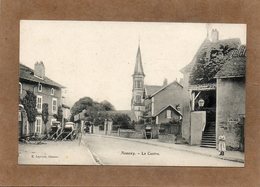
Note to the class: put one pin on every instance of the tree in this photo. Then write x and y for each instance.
(81, 104)
(29, 103)
(122, 120)
(107, 106)
(45, 115)
(95, 112)
(209, 62)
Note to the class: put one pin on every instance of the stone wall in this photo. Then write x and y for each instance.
(186, 109)
(139, 128)
(167, 138)
(126, 133)
(230, 111)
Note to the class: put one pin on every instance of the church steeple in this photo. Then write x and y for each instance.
(138, 63)
(137, 102)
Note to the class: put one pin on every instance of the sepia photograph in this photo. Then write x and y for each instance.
(131, 93)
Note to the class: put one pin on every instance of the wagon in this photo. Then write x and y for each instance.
(55, 130)
(69, 131)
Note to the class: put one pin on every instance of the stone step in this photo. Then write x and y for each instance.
(208, 143)
(208, 138)
(208, 146)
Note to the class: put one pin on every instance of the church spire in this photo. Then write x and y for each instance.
(138, 64)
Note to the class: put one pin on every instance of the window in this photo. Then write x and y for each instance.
(20, 88)
(39, 87)
(39, 103)
(138, 99)
(138, 84)
(52, 91)
(38, 125)
(168, 114)
(54, 105)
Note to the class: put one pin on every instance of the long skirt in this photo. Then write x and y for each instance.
(222, 146)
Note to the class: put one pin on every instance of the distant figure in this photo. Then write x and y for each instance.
(222, 144)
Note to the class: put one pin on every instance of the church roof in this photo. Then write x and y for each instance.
(235, 67)
(138, 64)
(27, 73)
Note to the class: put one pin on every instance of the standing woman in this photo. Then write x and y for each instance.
(221, 144)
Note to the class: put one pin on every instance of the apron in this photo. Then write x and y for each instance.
(222, 143)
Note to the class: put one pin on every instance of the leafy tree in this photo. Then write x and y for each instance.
(81, 104)
(107, 105)
(122, 120)
(29, 103)
(45, 115)
(94, 112)
(209, 62)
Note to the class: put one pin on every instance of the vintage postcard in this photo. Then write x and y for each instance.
(131, 93)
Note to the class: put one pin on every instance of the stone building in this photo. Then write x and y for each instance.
(203, 102)
(165, 103)
(45, 90)
(230, 111)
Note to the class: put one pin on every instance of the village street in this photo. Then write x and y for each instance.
(120, 151)
(55, 153)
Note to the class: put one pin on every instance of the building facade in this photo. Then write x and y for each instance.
(46, 91)
(206, 96)
(150, 101)
(165, 103)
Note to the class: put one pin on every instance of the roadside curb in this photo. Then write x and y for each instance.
(170, 147)
(93, 155)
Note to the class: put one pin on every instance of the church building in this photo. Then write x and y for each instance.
(137, 102)
(159, 102)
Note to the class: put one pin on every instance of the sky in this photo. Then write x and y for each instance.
(96, 58)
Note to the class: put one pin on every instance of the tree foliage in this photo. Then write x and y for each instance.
(209, 62)
(29, 103)
(45, 112)
(107, 106)
(95, 112)
(122, 120)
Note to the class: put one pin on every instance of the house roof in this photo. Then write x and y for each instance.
(164, 108)
(138, 64)
(189, 67)
(164, 87)
(235, 67)
(150, 89)
(207, 46)
(27, 73)
(206, 67)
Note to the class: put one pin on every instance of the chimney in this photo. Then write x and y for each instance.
(39, 69)
(165, 82)
(214, 35)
